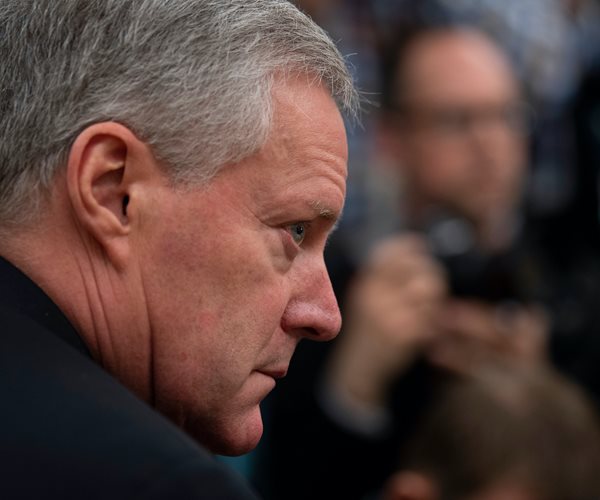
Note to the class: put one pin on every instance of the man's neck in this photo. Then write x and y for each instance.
(83, 284)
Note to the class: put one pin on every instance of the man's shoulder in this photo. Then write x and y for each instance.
(70, 430)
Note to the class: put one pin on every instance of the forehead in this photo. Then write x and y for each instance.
(455, 66)
(305, 115)
(303, 161)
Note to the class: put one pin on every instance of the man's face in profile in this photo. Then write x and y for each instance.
(233, 272)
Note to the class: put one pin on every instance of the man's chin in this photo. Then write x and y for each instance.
(238, 447)
(232, 438)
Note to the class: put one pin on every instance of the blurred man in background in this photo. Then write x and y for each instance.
(456, 130)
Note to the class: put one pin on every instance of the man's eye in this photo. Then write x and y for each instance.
(298, 232)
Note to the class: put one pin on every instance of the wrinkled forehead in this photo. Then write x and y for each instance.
(305, 114)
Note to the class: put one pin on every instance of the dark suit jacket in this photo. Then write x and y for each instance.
(68, 430)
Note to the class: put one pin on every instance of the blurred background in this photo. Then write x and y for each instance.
(470, 239)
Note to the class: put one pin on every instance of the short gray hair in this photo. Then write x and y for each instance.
(192, 78)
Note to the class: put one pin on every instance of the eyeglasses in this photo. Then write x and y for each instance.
(457, 121)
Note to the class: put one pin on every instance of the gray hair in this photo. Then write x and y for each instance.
(192, 78)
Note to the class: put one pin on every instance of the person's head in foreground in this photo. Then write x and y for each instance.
(169, 174)
(506, 433)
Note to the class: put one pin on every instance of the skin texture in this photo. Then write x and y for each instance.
(195, 298)
(247, 292)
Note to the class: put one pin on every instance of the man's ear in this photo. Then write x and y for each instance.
(408, 485)
(105, 162)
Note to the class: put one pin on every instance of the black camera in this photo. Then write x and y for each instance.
(471, 273)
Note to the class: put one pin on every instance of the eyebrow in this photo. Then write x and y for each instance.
(328, 214)
(325, 212)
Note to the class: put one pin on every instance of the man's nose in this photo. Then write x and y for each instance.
(313, 311)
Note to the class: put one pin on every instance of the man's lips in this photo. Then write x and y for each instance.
(275, 372)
